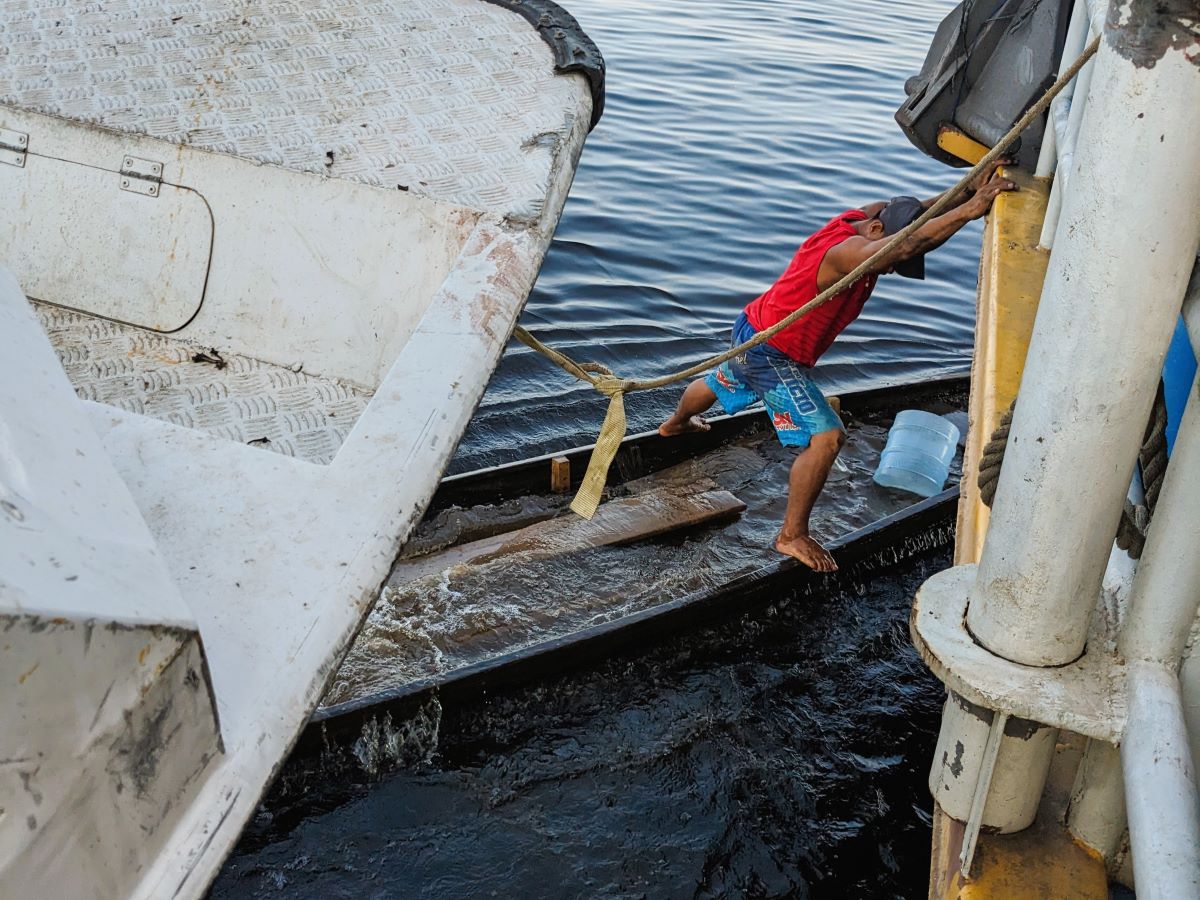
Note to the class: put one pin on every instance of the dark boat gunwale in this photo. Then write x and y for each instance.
(342, 739)
(647, 452)
(476, 678)
(333, 731)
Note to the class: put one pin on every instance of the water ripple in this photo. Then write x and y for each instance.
(731, 131)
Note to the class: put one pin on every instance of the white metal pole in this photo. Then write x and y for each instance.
(1191, 308)
(1159, 787)
(1093, 25)
(1166, 588)
(1189, 674)
(1189, 679)
(1111, 297)
(1072, 46)
(1068, 138)
(1096, 815)
(1160, 790)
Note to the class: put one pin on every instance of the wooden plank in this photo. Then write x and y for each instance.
(619, 521)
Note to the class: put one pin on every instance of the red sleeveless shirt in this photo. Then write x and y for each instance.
(808, 338)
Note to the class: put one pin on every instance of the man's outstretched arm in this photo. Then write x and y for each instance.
(852, 252)
(874, 209)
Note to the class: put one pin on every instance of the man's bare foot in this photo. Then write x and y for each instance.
(672, 427)
(807, 551)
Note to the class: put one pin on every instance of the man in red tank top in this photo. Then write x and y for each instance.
(778, 372)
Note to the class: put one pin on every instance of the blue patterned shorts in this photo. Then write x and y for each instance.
(797, 407)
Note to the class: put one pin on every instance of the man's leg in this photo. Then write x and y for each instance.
(696, 399)
(805, 481)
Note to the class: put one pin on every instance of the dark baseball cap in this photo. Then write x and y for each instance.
(899, 212)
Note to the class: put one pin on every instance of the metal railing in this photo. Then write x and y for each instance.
(1066, 112)
(1159, 783)
(1014, 634)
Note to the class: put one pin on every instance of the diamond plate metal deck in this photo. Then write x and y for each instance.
(456, 100)
(233, 397)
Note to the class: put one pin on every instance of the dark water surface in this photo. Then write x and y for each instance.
(779, 755)
(732, 131)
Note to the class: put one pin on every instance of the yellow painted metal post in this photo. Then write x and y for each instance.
(1011, 271)
(1042, 861)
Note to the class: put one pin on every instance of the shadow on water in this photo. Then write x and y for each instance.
(780, 754)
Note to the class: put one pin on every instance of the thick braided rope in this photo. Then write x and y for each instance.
(992, 459)
(612, 432)
(1135, 518)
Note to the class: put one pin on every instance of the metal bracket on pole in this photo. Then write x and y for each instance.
(1086, 696)
(983, 783)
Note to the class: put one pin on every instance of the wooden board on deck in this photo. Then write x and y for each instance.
(620, 521)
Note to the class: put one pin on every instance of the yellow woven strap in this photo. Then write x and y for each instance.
(612, 432)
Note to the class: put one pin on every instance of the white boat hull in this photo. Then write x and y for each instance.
(241, 384)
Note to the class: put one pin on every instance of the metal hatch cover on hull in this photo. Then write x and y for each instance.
(143, 254)
(261, 405)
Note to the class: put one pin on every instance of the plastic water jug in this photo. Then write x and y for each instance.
(920, 447)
